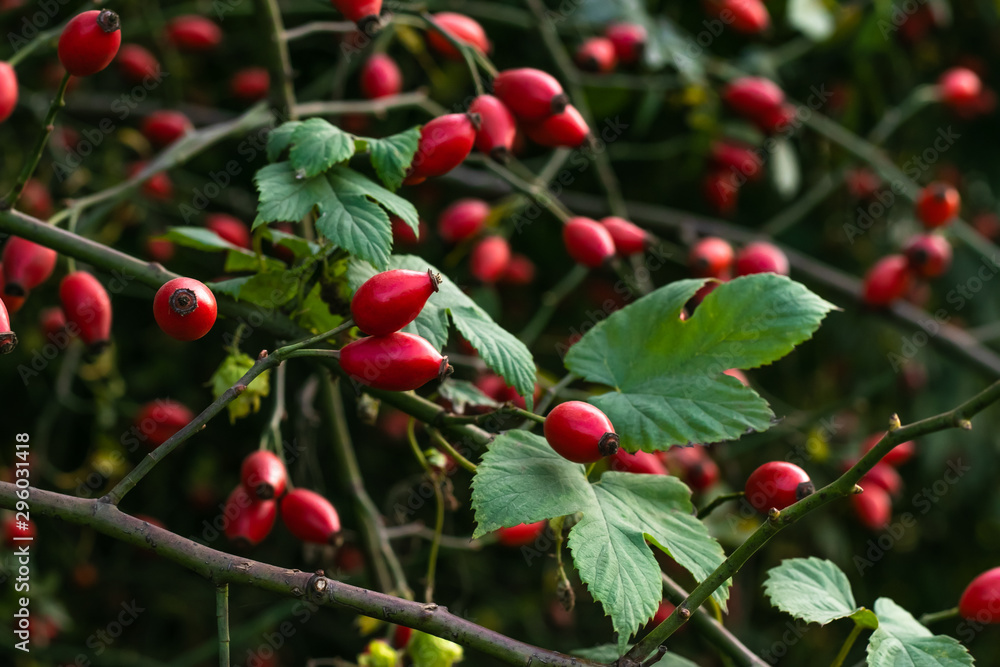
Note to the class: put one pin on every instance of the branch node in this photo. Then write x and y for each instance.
(429, 609)
(262, 355)
(318, 584)
(773, 515)
(685, 613)
(857, 489)
(894, 422)
(239, 389)
(964, 424)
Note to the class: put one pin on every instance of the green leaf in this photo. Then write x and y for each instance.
(280, 139)
(463, 394)
(865, 618)
(231, 287)
(502, 351)
(314, 313)
(521, 480)
(901, 641)
(392, 156)
(299, 246)
(271, 289)
(200, 238)
(318, 145)
(812, 589)
(812, 18)
(609, 653)
(245, 260)
(357, 225)
(283, 197)
(346, 180)
(379, 654)
(228, 373)
(430, 651)
(666, 375)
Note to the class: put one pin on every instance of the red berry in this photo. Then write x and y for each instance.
(530, 94)
(444, 143)
(520, 270)
(753, 96)
(163, 128)
(721, 191)
(497, 127)
(629, 238)
(229, 229)
(497, 388)
(897, 456)
(693, 465)
(263, 475)
(463, 219)
(776, 120)
(959, 87)
(248, 520)
(8, 339)
(380, 77)
(711, 258)
(159, 250)
(873, 508)
(938, 204)
(401, 636)
(403, 234)
(184, 308)
(521, 535)
(52, 322)
(194, 33)
(137, 64)
(777, 485)
(390, 300)
(158, 187)
(90, 41)
(580, 432)
(887, 281)
(629, 40)
(641, 462)
(761, 257)
(26, 265)
(981, 599)
(18, 531)
(929, 255)
(363, 12)
(463, 29)
(250, 84)
(567, 129)
(396, 362)
(88, 306)
(8, 91)
(597, 54)
(489, 259)
(737, 158)
(738, 374)
(158, 421)
(746, 16)
(882, 476)
(863, 183)
(35, 200)
(12, 303)
(309, 516)
(663, 613)
(587, 242)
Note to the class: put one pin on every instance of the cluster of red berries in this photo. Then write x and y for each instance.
(925, 255)
(388, 358)
(881, 484)
(713, 257)
(593, 244)
(621, 43)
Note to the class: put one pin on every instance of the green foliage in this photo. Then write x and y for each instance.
(812, 589)
(611, 652)
(232, 368)
(429, 651)
(901, 640)
(317, 145)
(463, 394)
(379, 654)
(392, 156)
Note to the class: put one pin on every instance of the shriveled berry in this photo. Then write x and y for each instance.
(641, 462)
(26, 265)
(531, 94)
(521, 535)
(250, 84)
(489, 259)
(629, 40)
(629, 238)
(444, 143)
(959, 88)
(566, 129)
(8, 91)
(310, 517)
(777, 484)
(229, 228)
(463, 29)
(263, 475)
(980, 600)
(163, 128)
(395, 362)
(463, 219)
(579, 432)
(158, 421)
(596, 54)
(711, 257)
(380, 77)
(193, 33)
(588, 242)
(185, 309)
(88, 306)
(137, 64)
(248, 521)
(497, 127)
(887, 281)
(929, 255)
(873, 508)
(938, 204)
(761, 257)
(390, 300)
(90, 41)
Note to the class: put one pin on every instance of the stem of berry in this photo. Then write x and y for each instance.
(719, 500)
(846, 648)
(935, 616)
(29, 167)
(222, 616)
(452, 452)
(30, 47)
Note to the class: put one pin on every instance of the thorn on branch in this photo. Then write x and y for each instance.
(262, 355)
(857, 489)
(773, 515)
(894, 422)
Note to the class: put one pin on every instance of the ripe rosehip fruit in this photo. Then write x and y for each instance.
(396, 362)
(693, 465)
(776, 120)
(380, 77)
(52, 322)
(761, 257)
(897, 456)
(777, 484)
(596, 54)
(862, 183)
(158, 421)
(250, 84)
(497, 127)
(747, 16)
(90, 41)
(587, 242)
(887, 281)
(629, 40)
(229, 229)
(489, 259)
(444, 143)
(362, 12)
(8, 91)
(193, 33)
(16, 530)
(959, 87)
(249, 521)
(721, 191)
(938, 204)
(401, 636)
(137, 64)
(530, 94)
(753, 96)
(641, 463)
(184, 308)
(35, 200)
(26, 265)
(12, 303)
(263, 475)
(309, 516)
(520, 270)
(873, 508)
(737, 158)
(463, 219)
(163, 128)
(390, 300)
(580, 432)
(88, 306)
(460, 27)
(711, 257)
(497, 388)
(403, 234)
(521, 535)
(882, 476)
(980, 600)
(567, 129)
(629, 238)
(8, 339)
(929, 255)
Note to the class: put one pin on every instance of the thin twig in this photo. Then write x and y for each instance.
(36, 154)
(222, 617)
